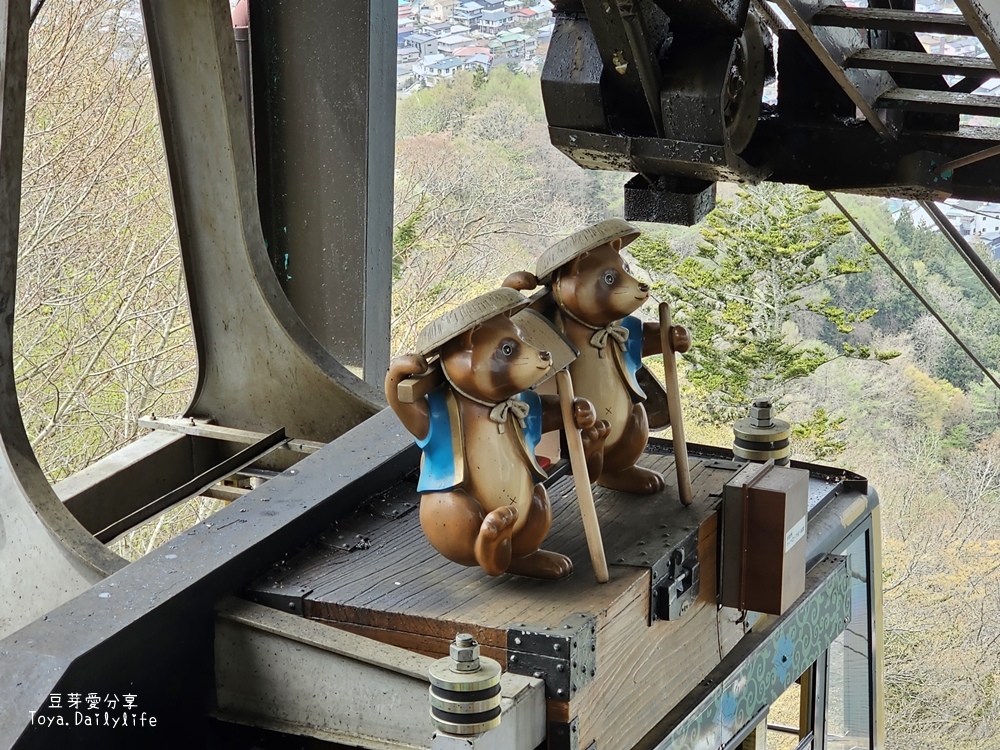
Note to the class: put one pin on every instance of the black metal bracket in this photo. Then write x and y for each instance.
(675, 579)
(566, 736)
(564, 656)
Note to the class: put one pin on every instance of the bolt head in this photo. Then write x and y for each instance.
(464, 650)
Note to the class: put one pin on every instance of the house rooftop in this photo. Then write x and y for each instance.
(455, 39)
(471, 51)
(447, 63)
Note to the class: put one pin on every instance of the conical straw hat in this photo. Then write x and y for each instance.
(459, 320)
(580, 242)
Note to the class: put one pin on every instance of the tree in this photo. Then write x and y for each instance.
(479, 192)
(102, 333)
(761, 265)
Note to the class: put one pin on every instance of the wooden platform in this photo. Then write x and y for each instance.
(619, 672)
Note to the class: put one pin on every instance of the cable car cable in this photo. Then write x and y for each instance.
(969, 255)
(34, 11)
(913, 290)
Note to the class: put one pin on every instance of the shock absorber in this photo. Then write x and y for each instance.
(465, 689)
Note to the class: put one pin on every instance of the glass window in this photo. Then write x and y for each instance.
(849, 722)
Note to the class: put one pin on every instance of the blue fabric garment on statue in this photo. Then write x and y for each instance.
(443, 464)
(632, 356)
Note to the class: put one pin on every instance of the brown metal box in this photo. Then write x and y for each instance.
(764, 538)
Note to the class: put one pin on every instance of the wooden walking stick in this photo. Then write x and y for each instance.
(534, 327)
(581, 479)
(676, 339)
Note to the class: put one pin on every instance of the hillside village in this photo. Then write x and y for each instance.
(436, 38)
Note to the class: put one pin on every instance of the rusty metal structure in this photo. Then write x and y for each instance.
(221, 637)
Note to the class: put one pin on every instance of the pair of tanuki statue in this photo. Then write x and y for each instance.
(481, 499)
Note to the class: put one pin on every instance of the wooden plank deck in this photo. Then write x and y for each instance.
(375, 574)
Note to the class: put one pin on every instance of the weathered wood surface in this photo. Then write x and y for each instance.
(889, 19)
(941, 101)
(393, 586)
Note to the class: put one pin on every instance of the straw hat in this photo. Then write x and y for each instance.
(580, 242)
(459, 320)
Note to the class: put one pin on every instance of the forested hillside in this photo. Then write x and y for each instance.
(784, 300)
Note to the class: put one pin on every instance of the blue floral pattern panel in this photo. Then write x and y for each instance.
(764, 664)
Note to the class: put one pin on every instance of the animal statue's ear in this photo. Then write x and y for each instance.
(617, 244)
(571, 268)
(467, 337)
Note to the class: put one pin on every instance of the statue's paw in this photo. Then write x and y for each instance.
(635, 479)
(542, 564)
(593, 437)
(408, 364)
(492, 548)
(523, 281)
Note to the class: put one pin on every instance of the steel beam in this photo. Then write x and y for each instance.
(147, 629)
(259, 367)
(324, 116)
(283, 672)
(46, 556)
(983, 17)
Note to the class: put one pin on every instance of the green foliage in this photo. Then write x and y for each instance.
(405, 237)
(762, 261)
(479, 192)
(821, 435)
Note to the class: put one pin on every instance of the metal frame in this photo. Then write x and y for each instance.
(324, 113)
(46, 555)
(278, 670)
(147, 629)
(259, 367)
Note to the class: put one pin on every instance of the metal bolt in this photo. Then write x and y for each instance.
(556, 647)
(517, 641)
(465, 653)
(760, 414)
(560, 667)
(560, 692)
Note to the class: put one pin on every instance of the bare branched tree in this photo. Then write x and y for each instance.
(102, 332)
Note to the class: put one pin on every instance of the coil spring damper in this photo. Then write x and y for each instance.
(760, 437)
(465, 690)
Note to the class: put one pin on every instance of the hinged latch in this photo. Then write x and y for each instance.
(676, 581)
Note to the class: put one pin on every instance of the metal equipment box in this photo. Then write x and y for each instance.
(764, 538)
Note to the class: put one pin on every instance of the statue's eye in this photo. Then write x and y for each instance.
(609, 278)
(507, 349)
